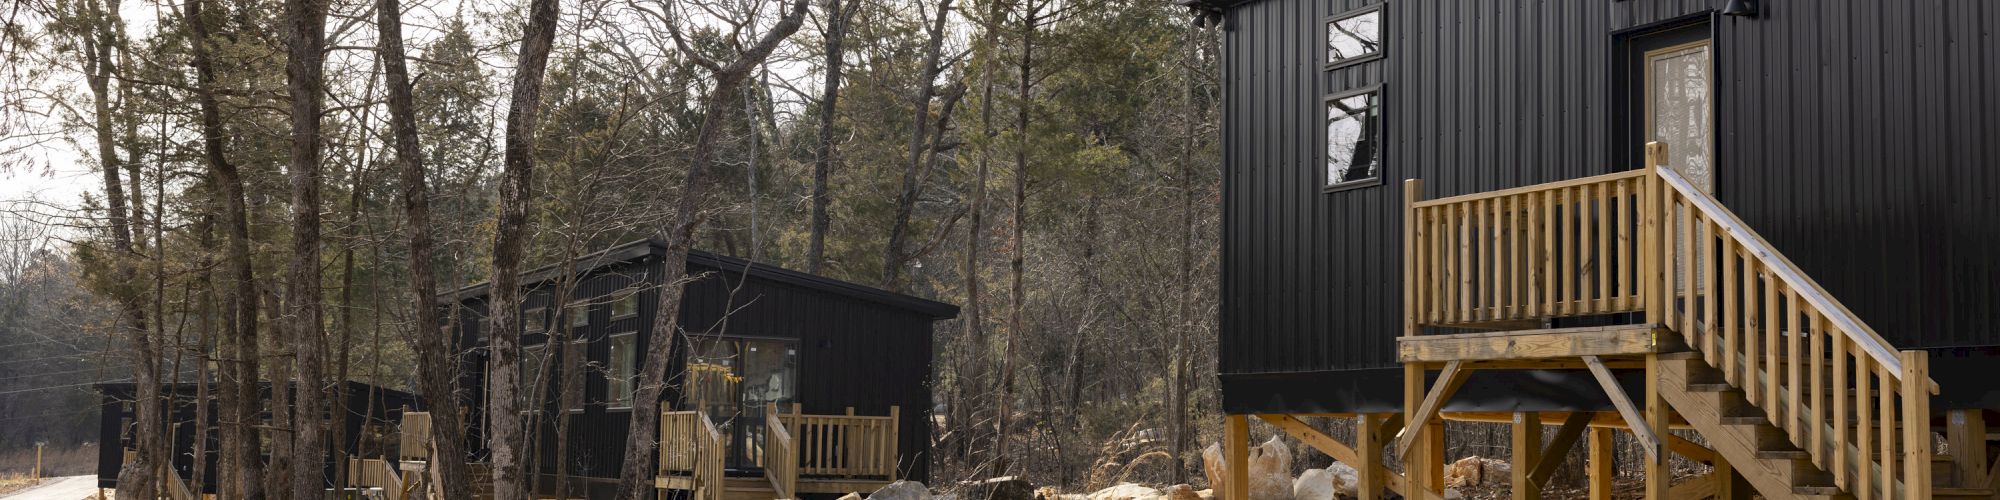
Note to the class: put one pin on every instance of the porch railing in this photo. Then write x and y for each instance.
(781, 455)
(845, 445)
(414, 438)
(692, 447)
(1648, 241)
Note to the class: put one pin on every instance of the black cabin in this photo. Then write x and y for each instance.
(757, 337)
(1842, 152)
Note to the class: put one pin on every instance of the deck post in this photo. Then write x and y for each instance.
(1725, 479)
(1237, 448)
(1966, 431)
(1413, 463)
(1916, 424)
(1527, 444)
(1600, 468)
(1650, 282)
(1658, 477)
(1368, 452)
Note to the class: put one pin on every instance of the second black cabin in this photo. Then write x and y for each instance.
(832, 357)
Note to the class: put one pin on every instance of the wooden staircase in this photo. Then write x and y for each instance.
(1788, 385)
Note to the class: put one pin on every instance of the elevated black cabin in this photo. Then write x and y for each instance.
(1776, 219)
(369, 417)
(757, 337)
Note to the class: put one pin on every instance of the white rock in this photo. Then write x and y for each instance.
(1126, 491)
(902, 490)
(1313, 484)
(851, 496)
(1271, 471)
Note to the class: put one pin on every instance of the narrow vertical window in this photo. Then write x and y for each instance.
(625, 306)
(531, 376)
(619, 378)
(1353, 139)
(1354, 37)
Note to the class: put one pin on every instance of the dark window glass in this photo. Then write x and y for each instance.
(1354, 37)
(1353, 138)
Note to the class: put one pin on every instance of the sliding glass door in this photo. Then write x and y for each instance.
(735, 380)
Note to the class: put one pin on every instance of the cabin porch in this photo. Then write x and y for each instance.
(796, 454)
(1791, 394)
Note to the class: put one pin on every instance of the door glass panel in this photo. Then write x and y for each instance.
(1679, 105)
(735, 380)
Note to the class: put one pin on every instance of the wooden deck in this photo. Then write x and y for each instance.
(1606, 341)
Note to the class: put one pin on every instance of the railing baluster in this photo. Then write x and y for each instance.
(1753, 328)
(1795, 367)
(1885, 398)
(1731, 334)
(1816, 390)
(1689, 287)
(1462, 277)
(1550, 271)
(1708, 305)
(1603, 204)
(1840, 397)
(1494, 207)
(1624, 255)
(1771, 361)
(1862, 437)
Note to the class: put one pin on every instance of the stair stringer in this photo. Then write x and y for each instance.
(1737, 443)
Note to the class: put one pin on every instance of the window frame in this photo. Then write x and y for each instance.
(535, 320)
(1381, 33)
(610, 368)
(612, 306)
(1381, 132)
(578, 308)
(528, 405)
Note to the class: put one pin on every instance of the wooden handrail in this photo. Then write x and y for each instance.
(692, 446)
(1754, 244)
(781, 461)
(1649, 241)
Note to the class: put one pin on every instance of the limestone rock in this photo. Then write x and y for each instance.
(1181, 492)
(999, 488)
(851, 496)
(1270, 469)
(1346, 481)
(902, 490)
(1126, 491)
(1313, 484)
(1474, 471)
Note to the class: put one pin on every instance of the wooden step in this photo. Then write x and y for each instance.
(1967, 493)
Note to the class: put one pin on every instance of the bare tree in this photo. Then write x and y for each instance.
(502, 407)
(922, 150)
(726, 79)
(432, 341)
(240, 446)
(305, 79)
(837, 18)
(1031, 19)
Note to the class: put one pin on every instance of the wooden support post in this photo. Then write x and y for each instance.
(1433, 401)
(1602, 454)
(1658, 478)
(1966, 431)
(1725, 479)
(1237, 447)
(1916, 424)
(1413, 460)
(1368, 450)
(1527, 453)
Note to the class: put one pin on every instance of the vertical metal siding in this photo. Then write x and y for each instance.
(1857, 136)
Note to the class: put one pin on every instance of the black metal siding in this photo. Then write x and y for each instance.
(1858, 136)
(853, 352)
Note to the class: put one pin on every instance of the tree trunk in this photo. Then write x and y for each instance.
(438, 380)
(239, 381)
(139, 478)
(1016, 264)
(836, 33)
(894, 257)
(305, 81)
(973, 377)
(1177, 408)
(641, 440)
(504, 431)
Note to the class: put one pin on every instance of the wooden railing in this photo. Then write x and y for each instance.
(781, 455)
(1648, 240)
(1561, 249)
(375, 473)
(845, 445)
(691, 446)
(1803, 357)
(414, 442)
